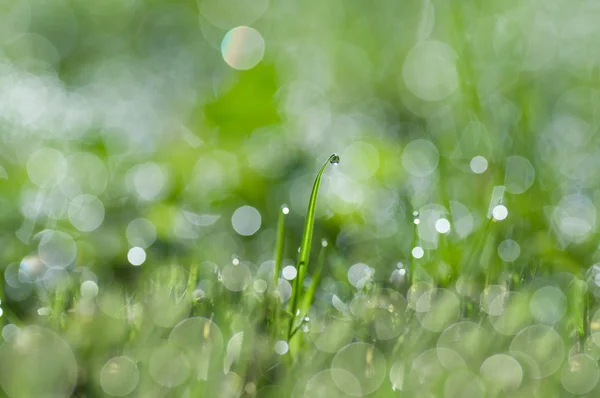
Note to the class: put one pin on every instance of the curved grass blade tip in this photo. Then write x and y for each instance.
(308, 233)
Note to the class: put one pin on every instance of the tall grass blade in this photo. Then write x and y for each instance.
(279, 244)
(316, 279)
(307, 238)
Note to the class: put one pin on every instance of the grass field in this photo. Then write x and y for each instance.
(222, 198)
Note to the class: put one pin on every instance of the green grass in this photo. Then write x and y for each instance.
(466, 334)
(303, 257)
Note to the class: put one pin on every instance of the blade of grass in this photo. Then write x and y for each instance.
(310, 293)
(306, 239)
(191, 283)
(275, 316)
(279, 244)
(316, 279)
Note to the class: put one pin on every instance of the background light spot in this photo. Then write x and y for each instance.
(420, 158)
(509, 250)
(246, 220)
(243, 48)
(418, 252)
(500, 212)
(442, 226)
(429, 71)
(136, 256)
(119, 376)
(478, 164)
(281, 347)
(289, 272)
(86, 213)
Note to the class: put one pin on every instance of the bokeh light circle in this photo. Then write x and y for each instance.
(580, 374)
(246, 220)
(469, 339)
(431, 366)
(201, 340)
(46, 167)
(420, 158)
(363, 361)
(243, 48)
(502, 371)
(136, 256)
(37, 363)
(438, 308)
(168, 366)
(478, 165)
(236, 277)
(548, 305)
(543, 344)
(119, 376)
(57, 249)
(509, 250)
(323, 385)
(86, 212)
(499, 212)
(141, 233)
(430, 72)
(519, 174)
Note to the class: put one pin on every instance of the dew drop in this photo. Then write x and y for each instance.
(442, 226)
(44, 311)
(281, 347)
(334, 159)
(500, 212)
(418, 252)
(289, 272)
(136, 256)
(260, 286)
(285, 209)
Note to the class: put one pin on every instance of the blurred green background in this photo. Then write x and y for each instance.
(142, 138)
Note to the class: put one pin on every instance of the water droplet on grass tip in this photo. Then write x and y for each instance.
(334, 159)
(285, 209)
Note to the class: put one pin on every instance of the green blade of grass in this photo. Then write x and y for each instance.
(307, 238)
(279, 244)
(316, 278)
(192, 280)
(275, 316)
(310, 293)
